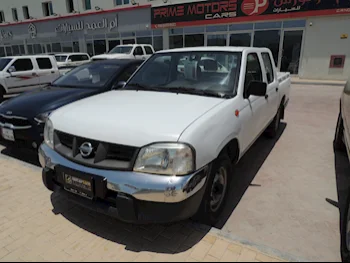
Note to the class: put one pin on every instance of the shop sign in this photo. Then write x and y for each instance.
(4, 35)
(244, 10)
(81, 25)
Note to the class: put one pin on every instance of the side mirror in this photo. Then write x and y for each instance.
(119, 85)
(257, 88)
(11, 69)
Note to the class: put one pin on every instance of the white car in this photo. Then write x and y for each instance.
(23, 73)
(65, 60)
(135, 51)
(162, 148)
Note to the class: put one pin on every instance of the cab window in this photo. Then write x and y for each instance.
(23, 64)
(268, 67)
(253, 71)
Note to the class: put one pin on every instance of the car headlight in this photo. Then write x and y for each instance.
(165, 159)
(48, 133)
(42, 118)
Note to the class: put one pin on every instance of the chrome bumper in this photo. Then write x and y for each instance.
(144, 187)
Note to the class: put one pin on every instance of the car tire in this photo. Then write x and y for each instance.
(215, 195)
(2, 94)
(345, 236)
(338, 142)
(273, 128)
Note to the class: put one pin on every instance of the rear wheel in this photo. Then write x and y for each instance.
(273, 128)
(216, 191)
(339, 135)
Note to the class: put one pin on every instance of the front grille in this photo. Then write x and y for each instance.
(104, 155)
(14, 120)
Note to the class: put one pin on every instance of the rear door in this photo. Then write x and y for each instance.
(46, 71)
(24, 76)
(270, 77)
(149, 51)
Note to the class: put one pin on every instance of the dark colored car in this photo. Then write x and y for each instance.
(342, 144)
(22, 118)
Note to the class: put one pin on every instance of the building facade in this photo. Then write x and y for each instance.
(309, 38)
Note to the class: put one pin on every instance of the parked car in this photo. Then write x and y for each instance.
(136, 51)
(71, 59)
(24, 73)
(162, 148)
(342, 144)
(22, 118)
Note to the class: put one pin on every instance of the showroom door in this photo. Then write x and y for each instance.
(291, 51)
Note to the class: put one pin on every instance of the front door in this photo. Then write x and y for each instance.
(139, 53)
(23, 76)
(291, 51)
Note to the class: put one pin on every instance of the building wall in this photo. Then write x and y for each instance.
(322, 40)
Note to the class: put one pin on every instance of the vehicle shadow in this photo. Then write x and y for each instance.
(342, 169)
(245, 172)
(165, 239)
(25, 155)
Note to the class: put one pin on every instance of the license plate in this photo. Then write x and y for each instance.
(8, 134)
(78, 185)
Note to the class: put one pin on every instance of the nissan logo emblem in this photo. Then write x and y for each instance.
(86, 149)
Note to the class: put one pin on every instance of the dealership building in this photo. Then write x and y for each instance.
(309, 38)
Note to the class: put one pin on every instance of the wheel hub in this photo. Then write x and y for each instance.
(218, 189)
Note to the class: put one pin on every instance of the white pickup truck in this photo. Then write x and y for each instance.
(24, 73)
(133, 51)
(162, 148)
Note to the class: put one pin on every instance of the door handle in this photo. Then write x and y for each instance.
(35, 75)
(52, 72)
(277, 89)
(266, 96)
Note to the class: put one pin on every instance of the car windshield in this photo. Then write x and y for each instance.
(199, 73)
(121, 50)
(4, 62)
(88, 76)
(61, 58)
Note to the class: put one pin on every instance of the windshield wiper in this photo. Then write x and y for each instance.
(193, 91)
(138, 86)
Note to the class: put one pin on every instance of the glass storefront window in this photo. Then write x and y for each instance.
(240, 27)
(176, 41)
(100, 47)
(176, 31)
(217, 40)
(145, 33)
(291, 51)
(90, 48)
(268, 25)
(22, 50)
(269, 39)
(294, 23)
(48, 48)
(113, 43)
(240, 40)
(158, 43)
(9, 51)
(217, 28)
(15, 50)
(194, 40)
(56, 47)
(76, 47)
(67, 47)
(30, 49)
(37, 49)
(129, 41)
(2, 52)
(144, 40)
(194, 30)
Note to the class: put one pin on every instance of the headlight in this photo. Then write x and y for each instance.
(165, 159)
(48, 133)
(42, 118)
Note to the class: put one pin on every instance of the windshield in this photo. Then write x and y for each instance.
(199, 73)
(61, 58)
(121, 50)
(88, 76)
(4, 62)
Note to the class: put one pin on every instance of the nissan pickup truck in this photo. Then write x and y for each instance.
(133, 51)
(24, 73)
(162, 148)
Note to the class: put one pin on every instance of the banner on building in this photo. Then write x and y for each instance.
(228, 11)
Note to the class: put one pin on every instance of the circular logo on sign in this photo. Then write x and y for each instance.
(86, 149)
(254, 7)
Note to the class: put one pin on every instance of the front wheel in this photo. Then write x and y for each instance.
(339, 135)
(215, 195)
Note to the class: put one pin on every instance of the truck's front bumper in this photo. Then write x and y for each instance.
(130, 196)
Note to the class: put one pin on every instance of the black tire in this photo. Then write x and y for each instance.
(339, 135)
(345, 240)
(210, 209)
(275, 125)
(2, 93)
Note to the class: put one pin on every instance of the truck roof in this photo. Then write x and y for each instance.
(69, 54)
(214, 49)
(29, 56)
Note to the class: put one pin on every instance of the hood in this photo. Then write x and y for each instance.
(134, 118)
(111, 56)
(30, 104)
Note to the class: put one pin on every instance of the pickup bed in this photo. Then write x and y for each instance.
(162, 149)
